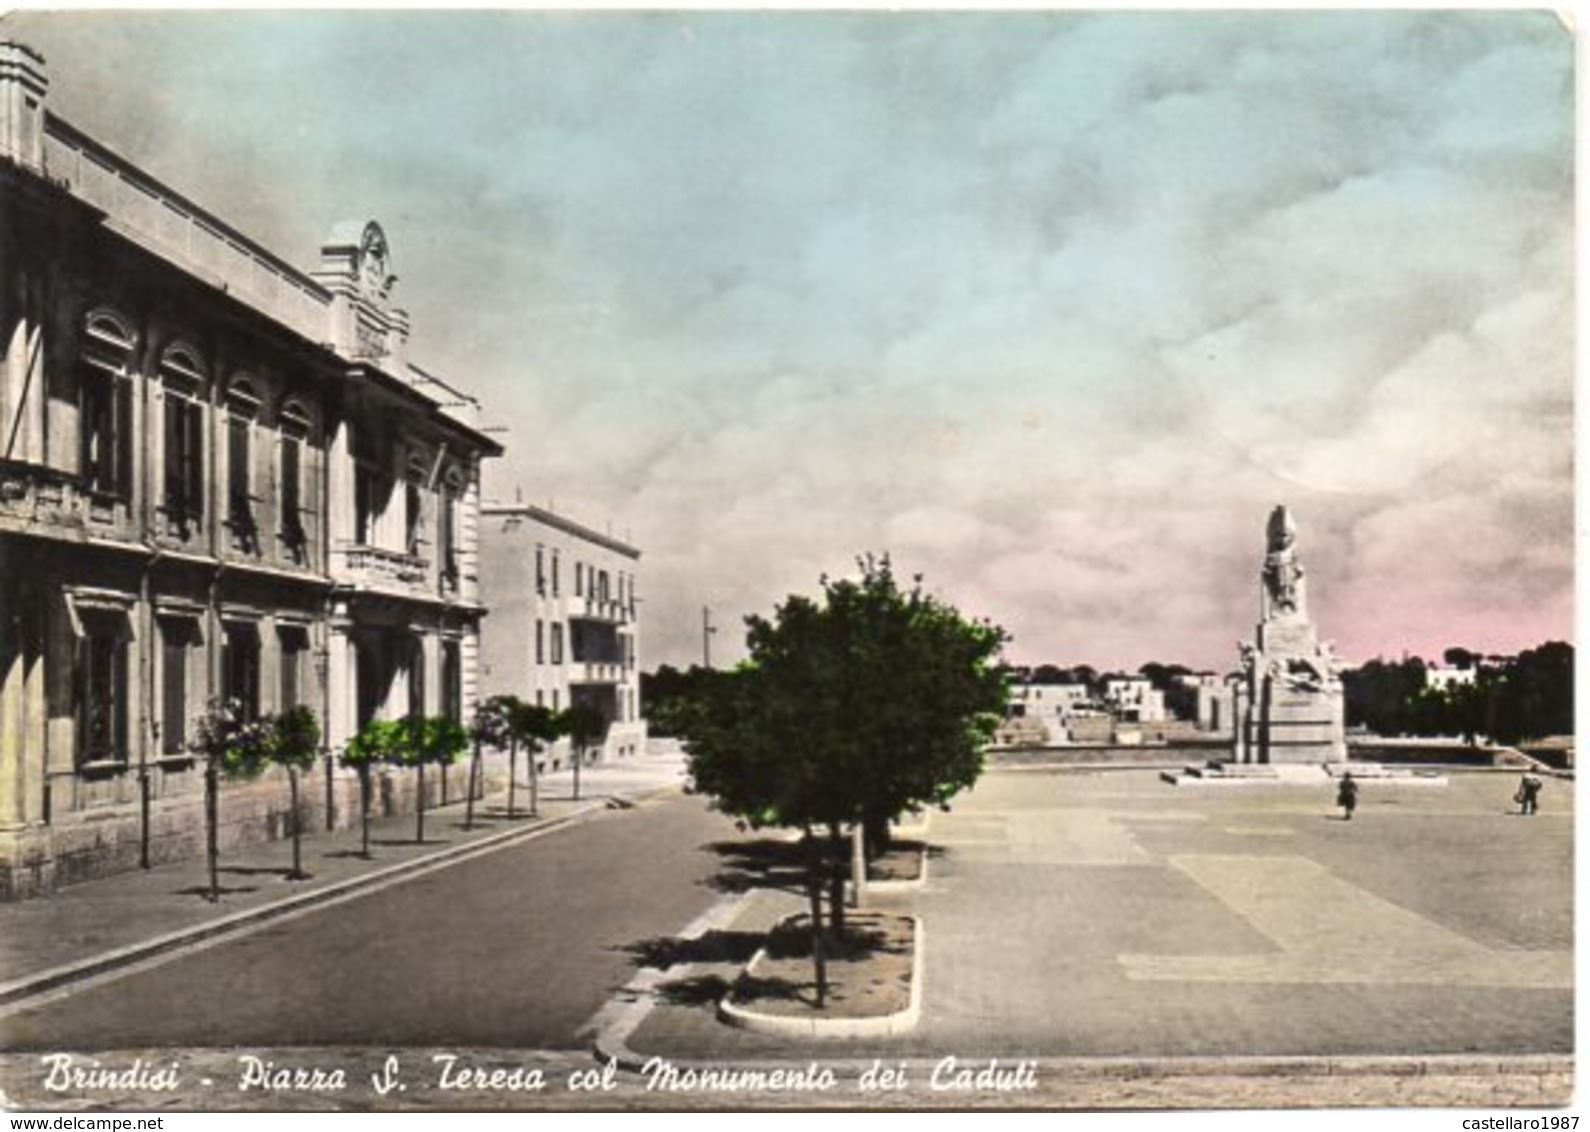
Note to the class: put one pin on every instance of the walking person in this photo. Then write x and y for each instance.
(1347, 795)
(1528, 796)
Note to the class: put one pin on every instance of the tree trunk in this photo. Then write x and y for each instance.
(836, 882)
(298, 851)
(212, 822)
(364, 809)
(815, 859)
(513, 772)
(531, 751)
(579, 753)
(877, 834)
(419, 807)
(469, 799)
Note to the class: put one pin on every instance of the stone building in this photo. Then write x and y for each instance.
(563, 629)
(220, 477)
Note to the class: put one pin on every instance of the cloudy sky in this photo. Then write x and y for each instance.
(1052, 307)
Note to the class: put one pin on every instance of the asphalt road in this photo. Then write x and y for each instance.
(518, 948)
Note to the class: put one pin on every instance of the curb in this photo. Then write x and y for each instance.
(883, 1025)
(18, 991)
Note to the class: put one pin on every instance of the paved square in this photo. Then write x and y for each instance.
(1111, 914)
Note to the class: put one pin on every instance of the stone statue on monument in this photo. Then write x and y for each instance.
(1283, 573)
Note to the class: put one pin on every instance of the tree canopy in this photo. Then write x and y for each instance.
(855, 707)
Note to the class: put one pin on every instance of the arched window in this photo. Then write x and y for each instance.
(413, 503)
(452, 491)
(294, 424)
(184, 382)
(105, 405)
(242, 411)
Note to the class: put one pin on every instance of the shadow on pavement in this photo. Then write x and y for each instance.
(663, 952)
(766, 863)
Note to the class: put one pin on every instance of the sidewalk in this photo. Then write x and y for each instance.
(89, 929)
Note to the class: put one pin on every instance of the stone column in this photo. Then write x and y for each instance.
(13, 716)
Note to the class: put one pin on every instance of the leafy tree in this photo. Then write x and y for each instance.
(850, 710)
(233, 746)
(378, 741)
(428, 739)
(586, 728)
(292, 740)
(506, 721)
(535, 727)
(1530, 696)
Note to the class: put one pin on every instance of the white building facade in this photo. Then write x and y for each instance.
(564, 629)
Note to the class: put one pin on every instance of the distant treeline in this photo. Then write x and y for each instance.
(1509, 699)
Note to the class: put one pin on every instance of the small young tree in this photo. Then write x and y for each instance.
(378, 741)
(491, 728)
(292, 740)
(426, 740)
(586, 728)
(233, 746)
(535, 727)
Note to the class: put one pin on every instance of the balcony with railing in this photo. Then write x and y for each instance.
(36, 495)
(376, 568)
(596, 672)
(589, 608)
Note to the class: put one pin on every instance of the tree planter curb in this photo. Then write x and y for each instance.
(761, 1022)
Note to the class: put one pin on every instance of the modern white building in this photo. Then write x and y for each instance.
(564, 627)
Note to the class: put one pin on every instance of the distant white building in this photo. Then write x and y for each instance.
(1442, 679)
(1134, 699)
(563, 628)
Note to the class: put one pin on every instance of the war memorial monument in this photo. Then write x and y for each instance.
(1289, 707)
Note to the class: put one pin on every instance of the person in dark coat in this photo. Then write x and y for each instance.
(1528, 796)
(1347, 795)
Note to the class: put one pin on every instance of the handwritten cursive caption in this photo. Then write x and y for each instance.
(456, 1073)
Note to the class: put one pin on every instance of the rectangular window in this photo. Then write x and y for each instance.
(294, 640)
(541, 571)
(102, 692)
(178, 635)
(363, 506)
(105, 432)
(579, 579)
(239, 496)
(240, 667)
(292, 491)
(452, 682)
(416, 676)
(555, 573)
(541, 651)
(413, 518)
(447, 539)
(557, 643)
(184, 459)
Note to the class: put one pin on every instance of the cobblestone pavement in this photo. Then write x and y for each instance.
(1110, 915)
